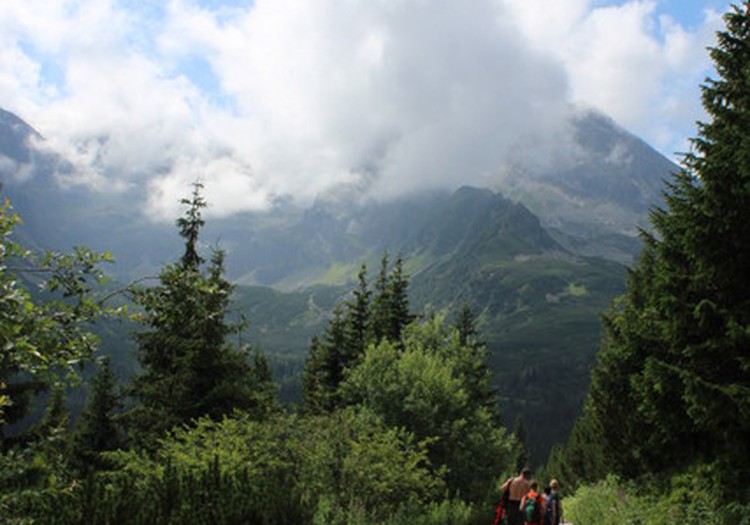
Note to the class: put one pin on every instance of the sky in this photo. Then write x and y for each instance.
(274, 99)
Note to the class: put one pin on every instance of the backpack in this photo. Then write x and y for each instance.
(548, 515)
(502, 508)
(553, 503)
(531, 511)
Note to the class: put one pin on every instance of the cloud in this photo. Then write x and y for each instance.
(280, 98)
(631, 61)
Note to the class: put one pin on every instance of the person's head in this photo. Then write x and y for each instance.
(547, 490)
(534, 485)
(553, 484)
(526, 473)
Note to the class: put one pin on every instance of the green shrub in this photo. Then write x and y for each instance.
(693, 497)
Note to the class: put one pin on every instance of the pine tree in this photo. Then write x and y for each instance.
(390, 308)
(672, 383)
(325, 365)
(398, 298)
(478, 375)
(358, 320)
(467, 330)
(55, 418)
(381, 303)
(189, 370)
(97, 430)
(264, 389)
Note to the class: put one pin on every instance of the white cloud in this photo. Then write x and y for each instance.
(629, 60)
(310, 94)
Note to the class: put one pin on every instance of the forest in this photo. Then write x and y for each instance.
(399, 422)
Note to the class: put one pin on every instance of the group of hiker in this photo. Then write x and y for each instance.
(521, 503)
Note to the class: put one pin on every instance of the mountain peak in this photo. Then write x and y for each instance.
(15, 135)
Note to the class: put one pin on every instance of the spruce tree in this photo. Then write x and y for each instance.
(478, 375)
(672, 383)
(465, 324)
(358, 320)
(398, 311)
(381, 303)
(325, 365)
(189, 370)
(390, 308)
(97, 430)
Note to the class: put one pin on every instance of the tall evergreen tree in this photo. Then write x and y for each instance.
(478, 374)
(398, 310)
(381, 303)
(324, 369)
(672, 383)
(390, 307)
(97, 430)
(189, 370)
(358, 319)
(467, 330)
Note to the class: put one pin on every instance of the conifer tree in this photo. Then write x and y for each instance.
(325, 365)
(390, 308)
(465, 325)
(358, 319)
(672, 383)
(56, 416)
(398, 299)
(264, 389)
(478, 375)
(97, 430)
(189, 370)
(381, 302)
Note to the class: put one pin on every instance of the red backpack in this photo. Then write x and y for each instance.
(502, 508)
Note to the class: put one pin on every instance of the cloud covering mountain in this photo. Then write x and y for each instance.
(277, 98)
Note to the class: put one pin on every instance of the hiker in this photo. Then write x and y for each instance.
(532, 506)
(518, 488)
(501, 515)
(554, 509)
(547, 505)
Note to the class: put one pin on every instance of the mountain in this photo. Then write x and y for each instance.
(597, 197)
(538, 256)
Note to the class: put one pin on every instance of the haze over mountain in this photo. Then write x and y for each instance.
(525, 266)
(593, 197)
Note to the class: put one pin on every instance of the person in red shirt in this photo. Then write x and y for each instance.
(533, 511)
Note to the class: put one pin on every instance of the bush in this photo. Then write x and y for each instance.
(693, 497)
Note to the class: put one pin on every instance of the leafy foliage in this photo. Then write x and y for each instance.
(42, 339)
(694, 497)
(424, 388)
